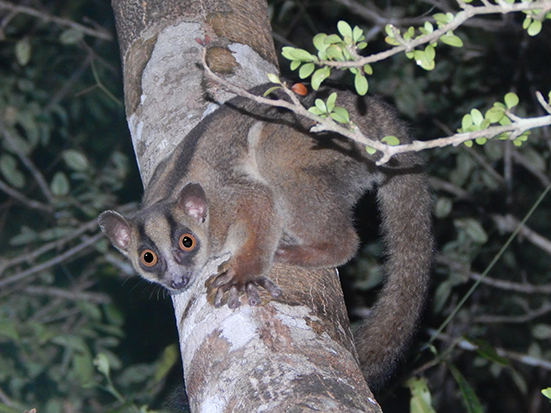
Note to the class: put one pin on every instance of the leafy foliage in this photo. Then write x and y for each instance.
(64, 155)
(66, 337)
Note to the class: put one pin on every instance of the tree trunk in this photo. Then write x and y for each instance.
(292, 354)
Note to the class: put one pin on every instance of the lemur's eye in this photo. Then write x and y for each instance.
(148, 258)
(186, 242)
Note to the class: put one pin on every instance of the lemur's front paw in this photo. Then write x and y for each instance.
(235, 284)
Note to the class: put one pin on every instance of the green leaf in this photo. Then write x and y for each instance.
(469, 397)
(476, 117)
(392, 41)
(481, 140)
(443, 207)
(292, 53)
(430, 53)
(468, 144)
(83, 367)
(511, 100)
(442, 19)
(319, 42)
(542, 331)
(26, 236)
(60, 184)
(8, 328)
(319, 76)
(420, 401)
(102, 364)
(361, 84)
(335, 52)
(344, 29)
(424, 58)
(466, 122)
(316, 111)
(340, 115)
(75, 160)
(368, 69)
(358, 35)
(331, 101)
(547, 392)
(10, 170)
(168, 359)
(408, 35)
(306, 70)
(23, 51)
(320, 104)
(451, 40)
(389, 29)
(495, 114)
(332, 39)
(370, 150)
(505, 121)
(273, 78)
(428, 28)
(71, 36)
(473, 229)
(534, 28)
(391, 140)
(294, 64)
(70, 341)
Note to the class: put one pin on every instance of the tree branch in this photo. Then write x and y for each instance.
(18, 196)
(51, 262)
(458, 20)
(509, 223)
(524, 288)
(511, 355)
(529, 316)
(70, 295)
(516, 128)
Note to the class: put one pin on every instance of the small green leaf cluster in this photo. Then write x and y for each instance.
(328, 109)
(425, 57)
(534, 19)
(332, 47)
(497, 114)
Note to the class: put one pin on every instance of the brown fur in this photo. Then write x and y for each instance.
(252, 181)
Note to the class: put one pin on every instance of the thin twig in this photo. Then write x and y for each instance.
(71, 295)
(101, 34)
(70, 253)
(520, 319)
(511, 355)
(23, 199)
(509, 223)
(32, 255)
(523, 288)
(28, 163)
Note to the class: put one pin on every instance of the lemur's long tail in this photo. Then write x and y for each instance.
(405, 204)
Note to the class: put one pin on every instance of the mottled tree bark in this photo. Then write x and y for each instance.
(292, 354)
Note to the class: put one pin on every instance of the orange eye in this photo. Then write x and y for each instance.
(186, 242)
(148, 258)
